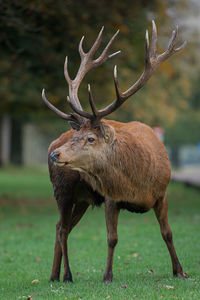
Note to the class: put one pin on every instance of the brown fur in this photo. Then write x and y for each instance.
(128, 168)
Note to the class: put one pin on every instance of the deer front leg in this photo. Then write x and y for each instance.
(111, 214)
(78, 211)
(66, 215)
(161, 211)
(55, 273)
(72, 217)
(60, 248)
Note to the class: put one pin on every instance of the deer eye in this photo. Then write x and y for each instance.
(91, 139)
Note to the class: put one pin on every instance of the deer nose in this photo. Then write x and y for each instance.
(54, 156)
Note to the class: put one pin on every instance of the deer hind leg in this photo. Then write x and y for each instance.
(161, 211)
(111, 214)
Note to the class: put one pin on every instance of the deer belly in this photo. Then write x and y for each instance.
(132, 207)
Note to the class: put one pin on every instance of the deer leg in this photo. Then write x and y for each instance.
(71, 218)
(161, 211)
(60, 248)
(66, 215)
(77, 213)
(111, 214)
(55, 273)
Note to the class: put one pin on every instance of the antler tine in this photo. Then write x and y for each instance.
(181, 46)
(154, 40)
(113, 54)
(80, 112)
(96, 43)
(147, 51)
(116, 82)
(64, 116)
(104, 55)
(66, 73)
(93, 107)
(119, 100)
(173, 39)
(171, 47)
(80, 48)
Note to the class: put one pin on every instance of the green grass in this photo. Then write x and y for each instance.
(22, 183)
(142, 267)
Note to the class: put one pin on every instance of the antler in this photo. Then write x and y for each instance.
(87, 63)
(71, 117)
(152, 61)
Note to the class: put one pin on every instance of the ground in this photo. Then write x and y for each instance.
(142, 267)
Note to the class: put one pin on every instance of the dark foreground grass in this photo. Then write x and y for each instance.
(142, 267)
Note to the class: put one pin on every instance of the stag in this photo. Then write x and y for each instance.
(123, 165)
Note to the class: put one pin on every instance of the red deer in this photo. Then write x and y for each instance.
(123, 165)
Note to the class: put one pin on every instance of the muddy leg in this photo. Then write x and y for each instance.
(161, 211)
(111, 214)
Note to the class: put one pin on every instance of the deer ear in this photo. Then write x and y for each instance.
(74, 125)
(109, 134)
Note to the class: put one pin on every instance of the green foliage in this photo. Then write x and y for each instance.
(25, 183)
(185, 130)
(38, 35)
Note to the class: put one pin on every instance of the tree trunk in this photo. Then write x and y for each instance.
(175, 156)
(16, 149)
(5, 139)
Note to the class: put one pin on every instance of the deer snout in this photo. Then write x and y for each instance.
(54, 156)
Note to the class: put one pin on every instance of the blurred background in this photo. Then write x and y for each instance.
(37, 35)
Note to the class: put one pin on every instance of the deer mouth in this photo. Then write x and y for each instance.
(60, 164)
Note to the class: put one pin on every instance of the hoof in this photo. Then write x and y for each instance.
(108, 278)
(182, 275)
(67, 281)
(67, 278)
(54, 278)
(107, 281)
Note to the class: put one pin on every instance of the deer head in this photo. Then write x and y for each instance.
(92, 133)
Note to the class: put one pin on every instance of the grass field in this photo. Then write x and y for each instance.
(142, 267)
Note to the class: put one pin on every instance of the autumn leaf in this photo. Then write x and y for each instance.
(135, 254)
(169, 287)
(35, 281)
(124, 286)
(37, 258)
